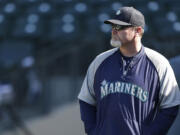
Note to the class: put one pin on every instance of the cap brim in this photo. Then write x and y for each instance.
(113, 21)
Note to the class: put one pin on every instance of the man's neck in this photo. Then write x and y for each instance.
(130, 50)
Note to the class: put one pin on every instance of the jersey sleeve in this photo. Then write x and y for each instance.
(169, 95)
(87, 91)
(169, 90)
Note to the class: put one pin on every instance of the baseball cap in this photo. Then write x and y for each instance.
(127, 16)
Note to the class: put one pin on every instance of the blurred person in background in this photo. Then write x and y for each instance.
(34, 84)
(7, 109)
(131, 89)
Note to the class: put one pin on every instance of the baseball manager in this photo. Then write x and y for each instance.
(130, 89)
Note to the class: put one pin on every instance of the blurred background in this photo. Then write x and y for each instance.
(46, 47)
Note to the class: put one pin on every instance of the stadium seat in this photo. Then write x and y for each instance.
(12, 51)
(91, 25)
(116, 5)
(4, 23)
(10, 9)
(43, 9)
(28, 26)
(64, 28)
(163, 27)
(81, 8)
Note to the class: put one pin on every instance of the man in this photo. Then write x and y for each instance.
(131, 89)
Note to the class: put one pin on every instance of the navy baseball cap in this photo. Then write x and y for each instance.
(127, 16)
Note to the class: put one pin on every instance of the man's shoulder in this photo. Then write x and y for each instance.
(106, 53)
(101, 57)
(156, 58)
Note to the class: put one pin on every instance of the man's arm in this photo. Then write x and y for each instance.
(88, 116)
(162, 122)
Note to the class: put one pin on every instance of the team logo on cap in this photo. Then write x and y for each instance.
(118, 12)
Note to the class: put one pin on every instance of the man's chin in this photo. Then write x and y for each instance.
(115, 43)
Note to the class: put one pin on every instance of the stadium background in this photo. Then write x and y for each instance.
(47, 45)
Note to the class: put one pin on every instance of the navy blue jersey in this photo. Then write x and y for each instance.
(128, 92)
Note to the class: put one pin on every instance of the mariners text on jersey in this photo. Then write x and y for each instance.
(121, 87)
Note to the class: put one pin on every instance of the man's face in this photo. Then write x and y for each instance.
(122, 34)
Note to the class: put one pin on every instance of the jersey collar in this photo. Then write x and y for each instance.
(135, 58)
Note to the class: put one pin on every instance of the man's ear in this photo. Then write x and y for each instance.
(138, 31)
